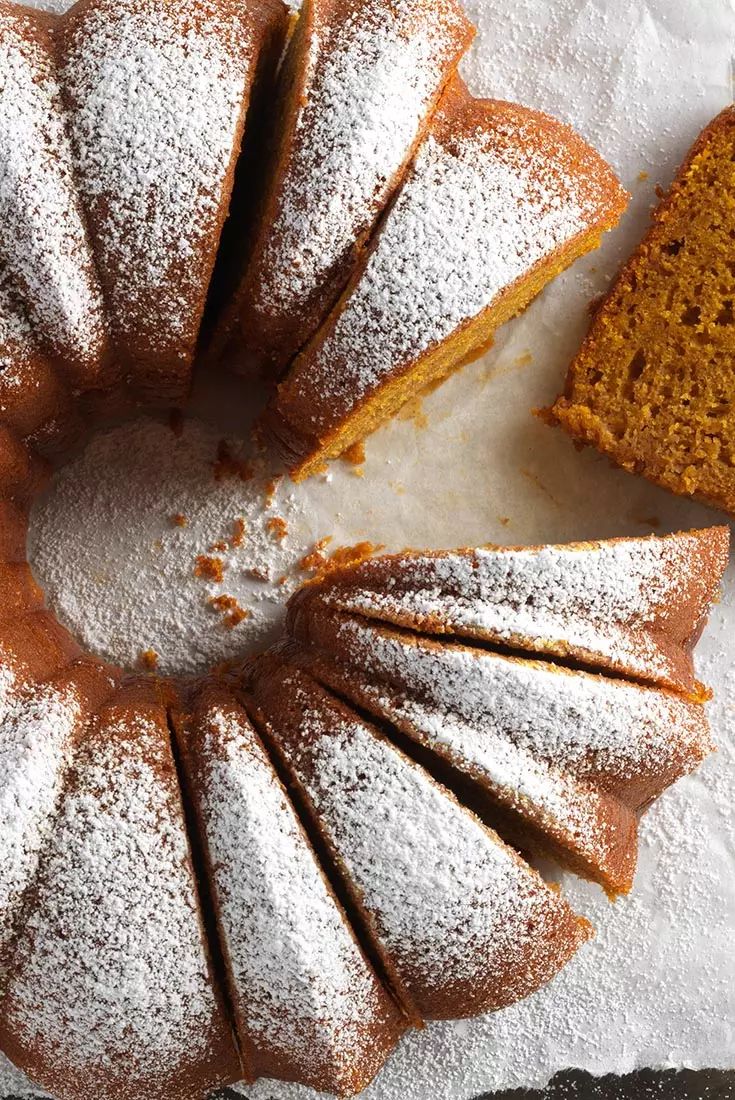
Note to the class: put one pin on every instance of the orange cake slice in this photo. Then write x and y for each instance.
(156, 94)
(110, 992)
(462, 924)
(634, 606)
(498, 200)
(359, 84)
(39, 725)
(307, 1003)
(652, 384)
(567, 758)
(44, 250)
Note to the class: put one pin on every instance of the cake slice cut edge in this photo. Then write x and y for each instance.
(498, 200)
(651, 386)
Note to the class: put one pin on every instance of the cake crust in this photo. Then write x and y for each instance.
(651, 385)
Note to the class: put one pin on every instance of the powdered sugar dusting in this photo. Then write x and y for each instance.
(111, 965)
(155, 102)
(582, 723)
(35, 742)
(120, 572)
(480, 207)
(43, 242)
(448, 900)
(595, 601)
(303, 987)
(369, 87)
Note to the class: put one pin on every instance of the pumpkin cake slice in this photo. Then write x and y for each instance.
(461, 923)
(566, 758)
(110, 990)
(307, 1004)
(39, 726)
(45, 254)
(498, 200)
(156, 94)
(652, 384)
(358, 87)
(633, 606)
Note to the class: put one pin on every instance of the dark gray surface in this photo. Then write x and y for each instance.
(645, 1084)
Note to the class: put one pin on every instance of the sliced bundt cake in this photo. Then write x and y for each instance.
(307, 1003)
(652, 385)
(109, 989)
(40, 724)
(462, 925)
(357, 89)
(156, 96)
(564, 759)
(634, 606)
(44, 250)
(498, 200)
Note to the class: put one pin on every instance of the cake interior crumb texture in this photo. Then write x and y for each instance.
(652, 386)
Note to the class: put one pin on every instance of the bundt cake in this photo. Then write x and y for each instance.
(565, 759)
(44, 249)
(357, 90)
(632, 606)
(498, 200)
(307, 1004)
(460, 923)
(651, 386)
(279, 869)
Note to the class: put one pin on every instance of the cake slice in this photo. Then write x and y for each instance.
(307, 1003)
(157, 93)
(498, 200)
(651, 386)
(110, 991)
(564, 759)
(462, 924)
(360, 82)
(44, 249)
(633, 606)
(39, 727)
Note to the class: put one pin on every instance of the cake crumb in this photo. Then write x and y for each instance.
(179, 519)
(148, 660)
(316, 558)
(232, 613)
(271, 488)
(237, 538)
(355, 453)
(277, 527)
(642, 177)
(210, 569)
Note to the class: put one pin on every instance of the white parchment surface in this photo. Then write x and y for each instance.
(471, 464)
